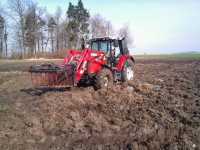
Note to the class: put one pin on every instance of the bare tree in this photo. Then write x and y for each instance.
(99, 27)
(63, 35)
(30, 29)
(2, 26)
(35, 26)
(17, 13)
(51, 29)
(41, 28)
(3, 32)
(57, 21)
(109, 28)
(6, 40)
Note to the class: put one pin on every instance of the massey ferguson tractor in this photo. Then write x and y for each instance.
(105, 62)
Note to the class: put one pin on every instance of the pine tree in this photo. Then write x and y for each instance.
(78, 24)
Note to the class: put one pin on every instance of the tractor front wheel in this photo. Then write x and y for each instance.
(104, 79)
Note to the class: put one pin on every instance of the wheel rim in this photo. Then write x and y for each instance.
(129, 73)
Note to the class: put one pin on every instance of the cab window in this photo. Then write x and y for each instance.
(100, 45)
(94, 46)
(103, 46)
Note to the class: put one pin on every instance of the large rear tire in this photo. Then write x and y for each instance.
(128, 71)
(104, 79)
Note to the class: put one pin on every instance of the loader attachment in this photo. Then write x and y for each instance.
(52, 75)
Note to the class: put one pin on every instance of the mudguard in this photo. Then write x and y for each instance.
(122, 61)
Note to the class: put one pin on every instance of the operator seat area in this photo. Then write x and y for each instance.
(114, 55)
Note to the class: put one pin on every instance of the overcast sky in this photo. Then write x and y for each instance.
(158, 26)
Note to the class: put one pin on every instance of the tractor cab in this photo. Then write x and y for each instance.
(113, 48)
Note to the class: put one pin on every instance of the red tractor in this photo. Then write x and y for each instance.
(105, 62)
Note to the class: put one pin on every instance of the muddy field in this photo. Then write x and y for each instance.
(159, 110)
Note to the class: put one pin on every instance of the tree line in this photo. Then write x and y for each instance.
(27, 30)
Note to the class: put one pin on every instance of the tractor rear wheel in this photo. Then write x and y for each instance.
(104, 79)
(128, 71)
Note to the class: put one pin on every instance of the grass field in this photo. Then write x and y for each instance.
(23, 65)
(181, 56)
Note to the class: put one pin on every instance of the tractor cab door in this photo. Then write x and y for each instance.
(123, 46)
(115, 52)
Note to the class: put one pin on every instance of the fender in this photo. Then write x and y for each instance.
(122, 61)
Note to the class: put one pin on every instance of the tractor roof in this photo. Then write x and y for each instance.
(102, 39)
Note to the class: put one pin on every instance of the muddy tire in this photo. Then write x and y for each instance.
(128, 71)
(104, 79)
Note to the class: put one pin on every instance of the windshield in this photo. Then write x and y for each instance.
(103, 46)
(100, 45)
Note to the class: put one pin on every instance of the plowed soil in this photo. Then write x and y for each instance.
(159, 110)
